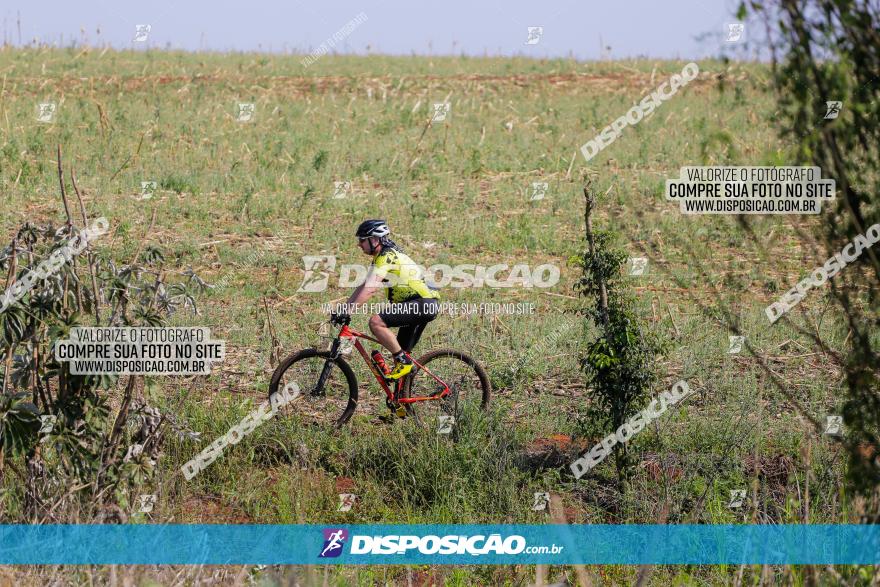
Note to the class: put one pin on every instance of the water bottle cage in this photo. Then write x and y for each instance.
(379, 371)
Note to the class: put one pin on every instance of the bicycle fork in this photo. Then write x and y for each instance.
(318, 391)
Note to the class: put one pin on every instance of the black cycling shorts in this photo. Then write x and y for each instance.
(411, 316)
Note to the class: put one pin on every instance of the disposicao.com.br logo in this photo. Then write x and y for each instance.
(334, 541)
(476, 545)
(318, 269)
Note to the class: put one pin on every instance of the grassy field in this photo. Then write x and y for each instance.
(241, 203)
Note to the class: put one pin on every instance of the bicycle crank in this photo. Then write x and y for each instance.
(396, 408)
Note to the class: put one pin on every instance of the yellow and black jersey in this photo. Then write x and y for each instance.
(402, 276)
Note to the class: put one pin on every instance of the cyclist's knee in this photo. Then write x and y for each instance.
(376, 322)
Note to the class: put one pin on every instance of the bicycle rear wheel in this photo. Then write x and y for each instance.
(469, 389)
(328, 391)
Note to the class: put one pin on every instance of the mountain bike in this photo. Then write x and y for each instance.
(443, 386)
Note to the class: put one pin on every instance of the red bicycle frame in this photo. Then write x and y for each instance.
(347, 332)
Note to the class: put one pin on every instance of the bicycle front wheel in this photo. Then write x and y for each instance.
(469, 389)
(328, 391)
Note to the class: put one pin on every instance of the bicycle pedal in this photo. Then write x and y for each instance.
(400, 411)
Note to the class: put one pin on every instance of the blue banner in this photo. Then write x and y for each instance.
(439, 544)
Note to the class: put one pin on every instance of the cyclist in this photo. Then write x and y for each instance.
(413, 302)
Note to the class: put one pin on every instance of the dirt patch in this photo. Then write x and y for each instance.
(556, 450)
(211, 510)
(667, 467)
(773, 470)
(427, 578)
(345, 485)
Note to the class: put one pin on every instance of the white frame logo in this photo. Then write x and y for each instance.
(737, 497)
(246, 112)
(638, 265)
(147, 501)
(541, 501)
(832, 109)
(445, 424)
(341, 189)
(735, 344)
(46, 111)
(735, 32)
(834, 425)
(147, 189)
(441, 111)
(47, 424)
(539, 190)
(534, 35)
(141, 33)
(346, 502)
(317, 275)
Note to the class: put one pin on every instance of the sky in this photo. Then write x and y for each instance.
(579, 28)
